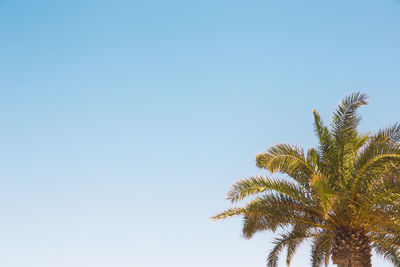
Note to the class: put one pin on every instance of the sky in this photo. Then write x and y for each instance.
(124, 123)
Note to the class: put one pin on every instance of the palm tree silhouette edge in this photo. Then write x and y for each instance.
(343, 195)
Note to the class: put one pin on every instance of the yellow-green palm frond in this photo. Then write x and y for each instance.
(291, 240)
(387, 250)
(313, 159)
(324, 193)
(371, 162)
(345, 119)
(378, 155)
(288, 159)
(303, 232)
(388, 134)
(228, 213)
(325, 139)
(259, 184)
(273, 211)
(344, 132)
(321, 249)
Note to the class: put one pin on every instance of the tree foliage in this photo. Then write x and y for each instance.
(348, 180)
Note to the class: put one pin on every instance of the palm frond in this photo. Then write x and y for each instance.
(387, 251)
(314, 160)
(345, 120)
(292, 244)
(324, 193)
(259, 184)
(286, 159)
(344, 128)
(228, 213)
(372, 160)
(325, 140)
(294, 237)
(321, 250)
(387, 135)
(270, 212)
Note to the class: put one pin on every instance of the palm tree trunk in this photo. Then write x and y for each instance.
(351, 248)
(354, 264)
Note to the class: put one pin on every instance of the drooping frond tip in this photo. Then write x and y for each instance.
(228, 213)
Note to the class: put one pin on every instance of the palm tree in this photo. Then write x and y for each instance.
(343, 196)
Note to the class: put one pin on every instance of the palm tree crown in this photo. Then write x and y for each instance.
(342, 195)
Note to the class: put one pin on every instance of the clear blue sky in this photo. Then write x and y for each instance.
(123, 123)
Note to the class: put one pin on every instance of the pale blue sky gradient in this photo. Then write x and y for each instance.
(123, 123)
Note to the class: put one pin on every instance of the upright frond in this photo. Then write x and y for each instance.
(324, 193)
(313, 160)
(344, 130)
(345, 120)
(324, 138)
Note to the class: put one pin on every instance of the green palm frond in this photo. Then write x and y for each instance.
(345, 120)
(388, 134)
(373, 159)
(320, 249)
(313, 160)
(300, 230)
(292, 237)
(387, 251)
(325, 140)
(273, 256)
(228, 213)
(324, 193)
(286, 159)
(344, 129)
(269, 213)
(259, 184)
(387, 239)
